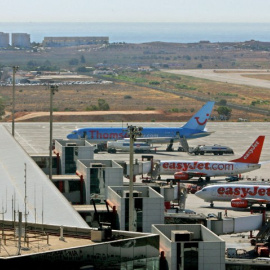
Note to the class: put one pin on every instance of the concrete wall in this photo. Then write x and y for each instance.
(113, 175)
(235, 225)
(152, 205)
(211, 248)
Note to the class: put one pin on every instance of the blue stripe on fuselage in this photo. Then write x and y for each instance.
(105, 134)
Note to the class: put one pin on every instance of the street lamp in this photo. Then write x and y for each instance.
(14, 68)
(53, 89)
(133, 132)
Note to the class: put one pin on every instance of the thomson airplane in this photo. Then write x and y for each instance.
(185, 170)
(240, 196)
(194, 128)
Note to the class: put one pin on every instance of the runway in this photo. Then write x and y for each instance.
(233, 76)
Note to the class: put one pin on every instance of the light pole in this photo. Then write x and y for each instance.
(14, 68)
(133, 132)
(53, 89)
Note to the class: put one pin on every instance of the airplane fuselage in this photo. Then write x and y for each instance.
(206, 168)
(157, 135)
(233, 191)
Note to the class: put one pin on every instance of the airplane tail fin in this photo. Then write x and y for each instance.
(199, 120)
(252, 155)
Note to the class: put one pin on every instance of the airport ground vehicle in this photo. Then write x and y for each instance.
(232, 178)
(100, 147)
(262, 249)
(122, 145)
(215, 149)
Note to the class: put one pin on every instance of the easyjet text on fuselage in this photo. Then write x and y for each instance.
(185, 166)
(242, 192)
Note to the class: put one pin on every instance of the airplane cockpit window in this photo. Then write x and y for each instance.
(74, 132)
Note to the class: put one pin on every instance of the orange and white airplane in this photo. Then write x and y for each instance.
(240, 196)
(186, 169)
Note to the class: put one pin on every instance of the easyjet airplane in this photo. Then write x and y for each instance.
(240, 196)
(185, 170)
(194, 128)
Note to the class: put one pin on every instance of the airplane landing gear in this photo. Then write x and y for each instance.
(200, 180)
(170, 146)
(212, 204)
(207, 178)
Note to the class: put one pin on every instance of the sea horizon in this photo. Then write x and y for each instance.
(141, 32)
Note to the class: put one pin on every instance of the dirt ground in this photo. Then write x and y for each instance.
(127, 102)
(71, 103)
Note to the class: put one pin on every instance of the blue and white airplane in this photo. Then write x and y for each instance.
(194, 128)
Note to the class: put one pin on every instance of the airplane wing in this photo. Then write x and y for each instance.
(201, 133)
(264, 162)
(152, 139)
(254, 200)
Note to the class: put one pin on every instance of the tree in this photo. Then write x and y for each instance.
(103, 105)
(82, 69)
(224, 112)
(82, 59)
(32, 63)
(223, 102)
(73, 62)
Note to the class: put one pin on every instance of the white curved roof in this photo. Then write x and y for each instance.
(22, 180)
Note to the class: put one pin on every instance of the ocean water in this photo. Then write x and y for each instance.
(146, 32)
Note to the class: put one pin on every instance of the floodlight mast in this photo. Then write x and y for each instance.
(14, 69)
(53, 89)
(134, 132)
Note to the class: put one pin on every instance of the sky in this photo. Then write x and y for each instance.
(135, 11)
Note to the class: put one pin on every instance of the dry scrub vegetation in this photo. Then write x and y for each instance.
(172, 97)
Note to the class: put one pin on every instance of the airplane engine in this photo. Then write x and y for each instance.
(238, 203)
(181, 176)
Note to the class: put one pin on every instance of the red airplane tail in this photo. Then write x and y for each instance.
(253, 153)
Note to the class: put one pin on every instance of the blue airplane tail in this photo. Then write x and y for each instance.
(199, 120)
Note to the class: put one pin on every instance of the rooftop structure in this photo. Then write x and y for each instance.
(191, 246)
(47, 247)
(148, 206)
(26, 188)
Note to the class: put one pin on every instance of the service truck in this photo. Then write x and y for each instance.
(124, 145)
(215, 149)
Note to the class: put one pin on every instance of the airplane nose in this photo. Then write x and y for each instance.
(70, 136)
(199, 194)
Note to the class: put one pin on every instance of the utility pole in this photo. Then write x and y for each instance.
(53, 89)
(133, 133)
(14, 68)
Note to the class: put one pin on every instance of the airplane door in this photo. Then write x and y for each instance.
(214, 193)
(83, 136)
